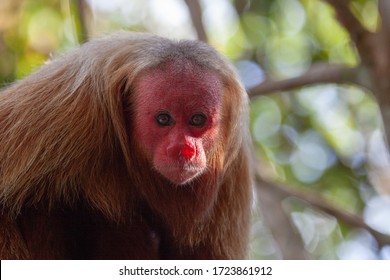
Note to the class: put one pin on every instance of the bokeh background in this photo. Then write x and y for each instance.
(322, 189)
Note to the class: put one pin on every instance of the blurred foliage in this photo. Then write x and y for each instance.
(315, 137)
(312, 138)
(30, 31)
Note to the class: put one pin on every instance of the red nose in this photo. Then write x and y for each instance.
(185, 151)
(188, 151)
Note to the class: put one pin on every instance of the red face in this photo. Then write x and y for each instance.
(177, 119)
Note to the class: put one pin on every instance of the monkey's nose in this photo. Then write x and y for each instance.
(188, 151)
(184, 151)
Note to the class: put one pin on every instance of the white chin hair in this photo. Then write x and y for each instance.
(179, 176)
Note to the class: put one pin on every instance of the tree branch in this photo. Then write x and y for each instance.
(381, 49)
(315, 200)
(384, 11)
(317, 74)
(82, 11)
(78, 11)
(362, 38)
(196, 16)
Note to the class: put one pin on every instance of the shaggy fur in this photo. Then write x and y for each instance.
(73, 182)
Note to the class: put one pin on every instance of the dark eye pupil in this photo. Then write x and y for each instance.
(198, 120)
(163, 119)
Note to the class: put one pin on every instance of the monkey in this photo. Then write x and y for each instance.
(130, 146)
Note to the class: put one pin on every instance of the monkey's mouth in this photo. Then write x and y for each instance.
(180, 174)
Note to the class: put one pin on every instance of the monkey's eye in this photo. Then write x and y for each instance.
(198, 120)
(164, 119)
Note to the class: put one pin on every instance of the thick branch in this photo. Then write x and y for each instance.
(358, 34)
(82, 11)
(196, 16)
(384, 11)
(348, 19)
(381, 51)
(317, 74)
(78, 10)
(315, 200)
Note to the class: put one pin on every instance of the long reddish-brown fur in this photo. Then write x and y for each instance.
(73, 184)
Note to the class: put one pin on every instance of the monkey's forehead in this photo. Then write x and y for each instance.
(191, 84)
(182, 98)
